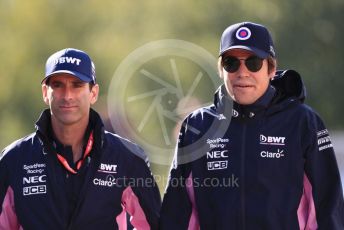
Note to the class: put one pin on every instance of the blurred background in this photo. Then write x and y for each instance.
(308, 37)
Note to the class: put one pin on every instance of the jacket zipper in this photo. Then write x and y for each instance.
(243, 150)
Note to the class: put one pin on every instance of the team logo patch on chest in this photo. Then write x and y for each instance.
(107, 168)
(34, 179)
(221, 161)
(274, 147)
(272, 154)
(217, 156)
(217, 142)
(271, 140)
(107, 177)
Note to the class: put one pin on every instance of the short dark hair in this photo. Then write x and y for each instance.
(272, 63)
(91, 85)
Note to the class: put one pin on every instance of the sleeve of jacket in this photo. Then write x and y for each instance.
(8, 217)
(177, 207)
(322, 179)
(141, 199)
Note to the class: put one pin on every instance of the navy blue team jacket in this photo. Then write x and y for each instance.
(117, 180)
(270, 165)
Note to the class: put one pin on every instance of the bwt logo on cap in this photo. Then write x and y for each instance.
(243, 33)
(71, 60)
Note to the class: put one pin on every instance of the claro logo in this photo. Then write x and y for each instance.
(271, 140)
(267, 154)
(109, 182)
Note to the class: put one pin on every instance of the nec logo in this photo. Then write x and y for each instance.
(217, 154)
(70, 60)
(34, 179)
(270, 140)
(107, 168)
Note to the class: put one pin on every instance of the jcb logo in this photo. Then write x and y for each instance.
(32, 190)
(216, 165)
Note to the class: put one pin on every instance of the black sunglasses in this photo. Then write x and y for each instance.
(231, 64)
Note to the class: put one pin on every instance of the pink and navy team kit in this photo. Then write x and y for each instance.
(272, 166)
(38, 191)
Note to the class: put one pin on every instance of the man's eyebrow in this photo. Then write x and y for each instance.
(79, 82)
(55, 81)
(73, 81)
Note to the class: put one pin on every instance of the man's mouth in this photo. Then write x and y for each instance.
(67, 106)
(243, 86)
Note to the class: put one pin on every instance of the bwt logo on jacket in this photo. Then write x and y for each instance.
(270, 140)
(107, 168)
(70, 60)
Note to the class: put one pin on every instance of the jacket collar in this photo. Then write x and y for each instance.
(260, 105)
(45, 133)
(285, 89)
(223, 102)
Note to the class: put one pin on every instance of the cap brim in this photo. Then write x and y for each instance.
(78, 75)
(258, 52)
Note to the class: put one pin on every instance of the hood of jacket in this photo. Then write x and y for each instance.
(285, 89)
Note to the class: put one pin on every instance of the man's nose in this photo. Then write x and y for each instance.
(242, 70)
(68, 93)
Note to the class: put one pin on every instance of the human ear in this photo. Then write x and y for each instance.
(45, 93)
(94, 94)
